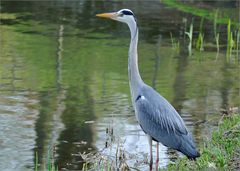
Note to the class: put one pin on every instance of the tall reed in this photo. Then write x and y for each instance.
(175, 42)
(238, 39)
(199, 43)
(216, 34)
(190, 36)
(230, 42)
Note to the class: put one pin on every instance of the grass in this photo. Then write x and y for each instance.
(50, 164)
(221, 152)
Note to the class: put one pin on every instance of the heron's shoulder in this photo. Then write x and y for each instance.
(152, 95)
(151, 103)
(145, 90)
(157, 101)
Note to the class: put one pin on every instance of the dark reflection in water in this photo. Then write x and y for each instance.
(180, 82)
(42, 125)
(62, 67)
(227, 83)
(79, 108)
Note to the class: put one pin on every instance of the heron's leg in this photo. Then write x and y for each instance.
(150, 144)
(157, 160)
(157, 152)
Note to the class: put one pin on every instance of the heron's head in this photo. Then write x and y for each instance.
(123, 15)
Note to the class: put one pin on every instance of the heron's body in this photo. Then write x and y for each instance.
(156, 116)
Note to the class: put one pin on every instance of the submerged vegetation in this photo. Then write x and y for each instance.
(220, 152)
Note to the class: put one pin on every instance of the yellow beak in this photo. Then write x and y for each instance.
(107, 15)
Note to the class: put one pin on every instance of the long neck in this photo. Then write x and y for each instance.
(133, 72)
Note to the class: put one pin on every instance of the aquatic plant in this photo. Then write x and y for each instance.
(215, 22)
(230, 41)
(184, 20)
(51, 161)
(175, 42)
(217, 41)
(50, 164)
(238, 39)
(199, 44)
(190, 36)
(216, 34)
(36, 162)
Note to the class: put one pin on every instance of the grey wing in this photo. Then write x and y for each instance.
(153, 109)
(161, 121)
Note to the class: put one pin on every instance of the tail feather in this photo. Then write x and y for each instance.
(188, 147)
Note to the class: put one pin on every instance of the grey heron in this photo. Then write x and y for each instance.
(156, 116)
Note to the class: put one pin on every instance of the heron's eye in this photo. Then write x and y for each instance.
(121, 15)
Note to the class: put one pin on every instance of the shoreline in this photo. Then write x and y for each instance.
(220, 152)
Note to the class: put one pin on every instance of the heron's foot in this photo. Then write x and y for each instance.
(151, 160)
(157, 164)
(151, 164)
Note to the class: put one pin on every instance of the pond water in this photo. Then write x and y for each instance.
(64, 80)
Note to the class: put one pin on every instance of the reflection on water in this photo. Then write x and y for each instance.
(63, 80)
(17, 133)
